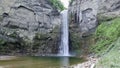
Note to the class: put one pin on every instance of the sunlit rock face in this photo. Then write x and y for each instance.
(109, 9)
(108, 5)
(22, 20)
(29, 14)
(84, 13)
(85, 16)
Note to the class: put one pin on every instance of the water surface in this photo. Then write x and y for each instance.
(40, 62)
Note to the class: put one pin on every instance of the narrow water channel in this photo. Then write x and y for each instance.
(64, 46)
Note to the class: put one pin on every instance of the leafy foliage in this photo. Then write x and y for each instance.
(57, 4)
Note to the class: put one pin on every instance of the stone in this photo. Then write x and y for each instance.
(25, 18)
(85, 16)
(85, 13)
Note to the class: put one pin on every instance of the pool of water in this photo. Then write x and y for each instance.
(40, 62)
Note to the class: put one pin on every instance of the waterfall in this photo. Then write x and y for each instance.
(64, 47)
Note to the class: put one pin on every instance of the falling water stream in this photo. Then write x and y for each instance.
(64, 47)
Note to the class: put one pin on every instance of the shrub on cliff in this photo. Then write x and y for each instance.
(57, 4)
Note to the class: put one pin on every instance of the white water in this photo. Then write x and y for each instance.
(64, 47)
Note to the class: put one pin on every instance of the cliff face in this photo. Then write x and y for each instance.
(85, 12)
(108, 6)
(85, 16)
(28, 26)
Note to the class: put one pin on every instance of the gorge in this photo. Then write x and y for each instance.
(44, 33)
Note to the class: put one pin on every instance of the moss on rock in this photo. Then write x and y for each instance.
(1, 18)
(46, 43)
(102, 18)
(75, 41)
(41, 43)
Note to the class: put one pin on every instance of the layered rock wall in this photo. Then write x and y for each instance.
(24, 21)
(86, 15)
(85, 12)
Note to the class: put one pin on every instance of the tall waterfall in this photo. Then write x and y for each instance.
(64, 47)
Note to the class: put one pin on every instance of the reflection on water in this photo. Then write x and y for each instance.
(65, 61)
(40, 62)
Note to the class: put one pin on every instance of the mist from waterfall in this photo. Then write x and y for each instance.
(64, 47)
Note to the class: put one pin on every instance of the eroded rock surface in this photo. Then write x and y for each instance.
(84, 13)
(22, 20)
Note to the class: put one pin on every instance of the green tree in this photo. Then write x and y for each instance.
(57, 4)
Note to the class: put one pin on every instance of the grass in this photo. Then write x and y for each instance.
(107, 45)
(112, 58)
(106, 33)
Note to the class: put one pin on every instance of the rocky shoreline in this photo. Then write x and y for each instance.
(90, 63)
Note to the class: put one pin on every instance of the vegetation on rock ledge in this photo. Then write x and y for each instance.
(106, 34)
(111, 59)
(57, 4)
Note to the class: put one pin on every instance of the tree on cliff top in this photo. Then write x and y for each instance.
(57, 4)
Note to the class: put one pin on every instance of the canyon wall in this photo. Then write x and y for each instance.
(86, 15)
(28, 27)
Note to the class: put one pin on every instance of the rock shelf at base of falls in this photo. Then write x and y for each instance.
(88, 64)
